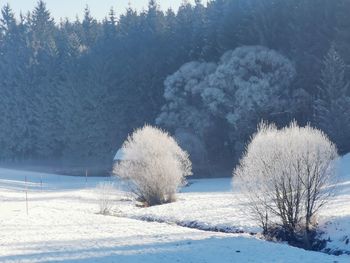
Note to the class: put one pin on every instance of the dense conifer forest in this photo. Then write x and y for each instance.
(208, 73)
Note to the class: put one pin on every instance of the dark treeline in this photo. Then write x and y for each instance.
(73, 90)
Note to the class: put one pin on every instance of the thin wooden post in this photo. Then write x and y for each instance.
(86, 175)
(26, 187)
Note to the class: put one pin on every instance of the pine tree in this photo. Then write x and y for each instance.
(43, 89)
(14, 57)
(342, 38)
(109, 26)
(90, 30)
(332, 107)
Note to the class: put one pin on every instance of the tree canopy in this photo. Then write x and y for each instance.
(75, 89)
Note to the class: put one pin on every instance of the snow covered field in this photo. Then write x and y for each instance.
(63, 225)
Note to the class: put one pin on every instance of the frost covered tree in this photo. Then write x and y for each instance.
(250, 83)
(223, 103)
(184, 106)
(246, 71)
(154, 164)
(185, 113)
(332, 107)
(286, 175)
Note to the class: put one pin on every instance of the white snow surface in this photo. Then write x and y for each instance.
(62, 224)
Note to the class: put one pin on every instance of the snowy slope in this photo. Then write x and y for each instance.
(203, 205)
(212, 210)
(62, 225)
(335, 218)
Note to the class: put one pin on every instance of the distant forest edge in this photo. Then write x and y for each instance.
(72, 91)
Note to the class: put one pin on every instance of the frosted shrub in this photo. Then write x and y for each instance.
(286, 175)
(154, 164)
(105, 192)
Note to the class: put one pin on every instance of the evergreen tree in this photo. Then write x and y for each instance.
(332, 107)
(342, 38)
(89, 26)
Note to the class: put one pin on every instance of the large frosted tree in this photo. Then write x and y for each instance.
(184, 107)
(251, 83)
(223, 102)
(185, 114)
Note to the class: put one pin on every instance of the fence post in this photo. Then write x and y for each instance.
(26, 189)
(86, 175)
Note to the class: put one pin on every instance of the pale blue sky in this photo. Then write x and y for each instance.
(99, 8)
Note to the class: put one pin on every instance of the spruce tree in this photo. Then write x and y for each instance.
(332, 106)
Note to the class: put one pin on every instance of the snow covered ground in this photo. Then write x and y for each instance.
(63, 225)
